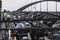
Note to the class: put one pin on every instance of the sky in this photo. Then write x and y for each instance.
(13, 5)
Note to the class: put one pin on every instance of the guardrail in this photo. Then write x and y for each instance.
(28, 30)
(47, 28)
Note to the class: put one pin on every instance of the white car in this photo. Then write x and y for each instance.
(27, 25)
(57, 24)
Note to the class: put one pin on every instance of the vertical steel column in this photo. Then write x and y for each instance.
(28, 3)
(0, 11)
(31, 6)
(40, 5)
(47, 6)
(56, 6)
(35, 6)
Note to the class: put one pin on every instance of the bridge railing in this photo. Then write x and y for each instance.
(7, 31)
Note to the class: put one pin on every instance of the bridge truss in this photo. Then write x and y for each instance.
(44, 16)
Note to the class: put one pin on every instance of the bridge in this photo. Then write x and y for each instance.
(49, 18)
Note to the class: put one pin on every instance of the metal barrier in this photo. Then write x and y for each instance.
(28, 30)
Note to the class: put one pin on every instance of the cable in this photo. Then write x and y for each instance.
(31, 6)
(40, 5)
(47, 6)
(35, 6)
(28, 3)
(56, 6)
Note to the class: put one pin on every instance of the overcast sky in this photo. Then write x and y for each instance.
(11, 4)
(16, 4)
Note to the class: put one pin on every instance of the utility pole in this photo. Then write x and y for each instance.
(0, 11)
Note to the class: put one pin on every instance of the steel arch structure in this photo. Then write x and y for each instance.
(26, 6)
(20, 10)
